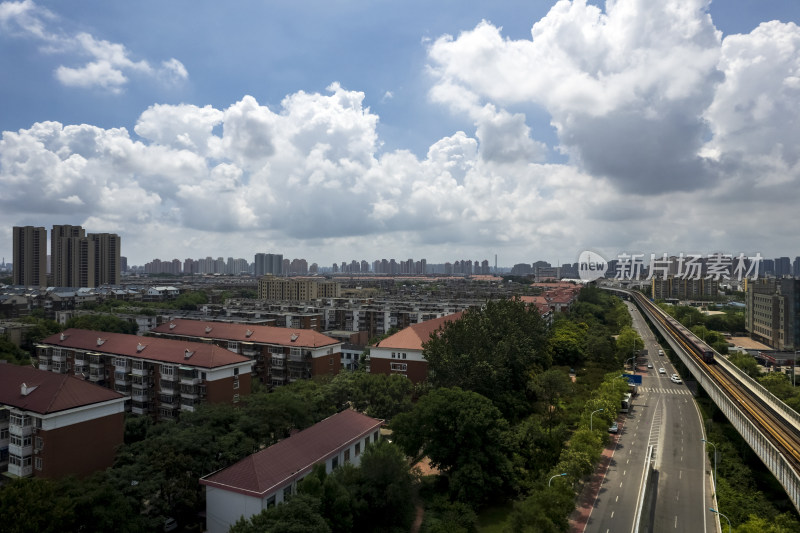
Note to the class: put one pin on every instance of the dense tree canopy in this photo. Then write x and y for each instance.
(12, 353)
(464, 435)
(103, 322)
(492, 351)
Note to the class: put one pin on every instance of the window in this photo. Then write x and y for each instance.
(271, 501)
(375, 436)
(366, 441)
(404, 355)
(330, 360)
(233, 346)
(39, 443)
(20, 420)
(38, 463)
(235, 384)
(392, 355)
(235, 398)
(334, 463)
(287, 491)
(236, 371)
(399, 367)
(347, 456)
(358, 448)
(3, 433)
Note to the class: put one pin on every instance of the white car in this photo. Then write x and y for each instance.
(660, 353)
(676, 379)
(649, 365)
(662, 370)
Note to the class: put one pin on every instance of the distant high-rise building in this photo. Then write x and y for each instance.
(30, 256)
(70, 257)
(783, 267)
(796, 267)
(107, 265)
(768, 266)
(80, 260)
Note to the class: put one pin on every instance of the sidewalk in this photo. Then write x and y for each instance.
(591, 490)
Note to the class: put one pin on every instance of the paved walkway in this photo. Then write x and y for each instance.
(586, 500)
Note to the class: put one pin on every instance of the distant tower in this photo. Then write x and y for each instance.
(30, 256)
(495, 263)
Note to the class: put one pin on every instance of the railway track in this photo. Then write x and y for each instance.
(781, 432)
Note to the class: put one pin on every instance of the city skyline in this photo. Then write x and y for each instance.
(523, 129)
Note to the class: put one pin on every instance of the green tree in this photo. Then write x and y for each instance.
(747, 363)
(550, 388)
(103, 322)
(492, 351)
(301, 514)
(12, 353)
(465, 436)
(387, 488)
(567, 343)
(628, 342)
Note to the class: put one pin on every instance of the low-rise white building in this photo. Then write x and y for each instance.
(270, 476)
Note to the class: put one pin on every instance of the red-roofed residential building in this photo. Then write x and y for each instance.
(270, 476)
(161, 377)
(281, 355)
(401, 353)
(53, 425)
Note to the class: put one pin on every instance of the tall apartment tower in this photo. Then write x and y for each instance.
(80, 260)
(30, 256)
(107, 260)
(67, 246)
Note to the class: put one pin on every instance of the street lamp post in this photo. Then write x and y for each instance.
(715, 462)
(633, 363)
(591, 426)
(552, 478)
(726, 518)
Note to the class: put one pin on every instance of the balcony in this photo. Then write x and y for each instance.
(140, 396)
(250, 352)
(59, 357)
(141, 408)
(169, 377)
(168, 388)
(21, 451)
(169, 401)
(81, 369)
(122, 367)
(21, 431)
(141, 383)
(80, 359)
(278, 356)
(188, 404)
(96, 375)
(45, 364)
(142, 371)
(122, 389)
(189, 391)
(190, 379)
(20, 471)
(121, 378)
(95, 361)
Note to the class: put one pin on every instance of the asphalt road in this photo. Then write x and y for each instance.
(664, 415)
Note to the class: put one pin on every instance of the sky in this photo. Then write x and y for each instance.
(368, 129)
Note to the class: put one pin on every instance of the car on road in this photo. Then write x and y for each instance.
(662, 370)
(675, 378)
(614, 428)
(649, 365)
(660, 353)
